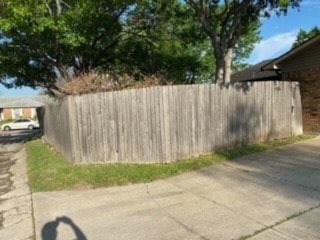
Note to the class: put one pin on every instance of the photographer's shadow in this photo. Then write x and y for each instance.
(49, 230)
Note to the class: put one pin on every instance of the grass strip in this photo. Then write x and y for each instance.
(50, 171)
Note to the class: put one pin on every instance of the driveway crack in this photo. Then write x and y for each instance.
(286, 181)
(279, 223)
(187, 228)
(218, 203)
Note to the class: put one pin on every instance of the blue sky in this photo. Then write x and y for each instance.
(278, 35)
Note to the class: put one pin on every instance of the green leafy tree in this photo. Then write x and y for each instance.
(226, 22)
(43, 41)
(245, 46)
(305, 35)
(166, 39)
(163, 39)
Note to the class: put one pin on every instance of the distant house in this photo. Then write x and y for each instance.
(255, 73)
(301, 64)
(20, 107)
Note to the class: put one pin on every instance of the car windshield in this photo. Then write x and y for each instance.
(22, 120)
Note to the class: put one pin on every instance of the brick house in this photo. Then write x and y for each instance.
(255, 73)
(19, 107)
(301, 64)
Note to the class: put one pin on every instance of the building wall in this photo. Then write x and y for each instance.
(310, 94)
(27, 113)
(306, 59)
(7, 114)
(15, 113)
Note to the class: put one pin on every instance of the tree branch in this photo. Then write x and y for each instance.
(49, 9)
(59, 8)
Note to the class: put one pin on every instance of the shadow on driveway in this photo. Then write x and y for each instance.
(11, 137)
(50, 229)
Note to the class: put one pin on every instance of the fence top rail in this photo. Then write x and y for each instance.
(240, 86)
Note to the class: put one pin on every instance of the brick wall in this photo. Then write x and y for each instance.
(27, 112)
(310, 94)
(7, 114)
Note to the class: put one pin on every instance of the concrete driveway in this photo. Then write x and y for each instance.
(16, 220)
(271, 195)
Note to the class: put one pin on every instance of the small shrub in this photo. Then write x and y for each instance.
(94, 83)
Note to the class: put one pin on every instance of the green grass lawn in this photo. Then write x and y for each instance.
(49, 171)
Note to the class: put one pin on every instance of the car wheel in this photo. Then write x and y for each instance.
(30, 127)
(6, 128)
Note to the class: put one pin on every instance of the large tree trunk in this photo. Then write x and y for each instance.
(227, 65)
(223, 56)
(223, 66)
(219, 70)
(217, 54)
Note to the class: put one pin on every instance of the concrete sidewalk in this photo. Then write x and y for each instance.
(16, 220)
(271, 195)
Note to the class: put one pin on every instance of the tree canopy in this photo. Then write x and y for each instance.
(226, 22)
(46, 40)
(305, 35)
(42, 42)
(163, 39)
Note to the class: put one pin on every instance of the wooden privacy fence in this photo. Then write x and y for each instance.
(168, 123)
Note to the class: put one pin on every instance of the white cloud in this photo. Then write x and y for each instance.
(273, 46)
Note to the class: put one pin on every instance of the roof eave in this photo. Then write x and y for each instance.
(276, 64)
(271, 66)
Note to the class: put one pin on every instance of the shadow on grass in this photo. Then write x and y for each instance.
(262, 147)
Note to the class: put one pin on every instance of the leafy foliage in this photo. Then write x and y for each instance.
(163, 39)
(226, 22)
(44, 42)
(305, 35)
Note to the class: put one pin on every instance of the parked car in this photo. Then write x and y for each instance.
(23, 123)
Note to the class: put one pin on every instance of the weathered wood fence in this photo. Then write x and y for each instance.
(168, 123)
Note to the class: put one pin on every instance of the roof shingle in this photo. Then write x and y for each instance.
(255, 73)
(22, 102)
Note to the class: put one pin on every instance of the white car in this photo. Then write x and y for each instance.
(23, 123)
